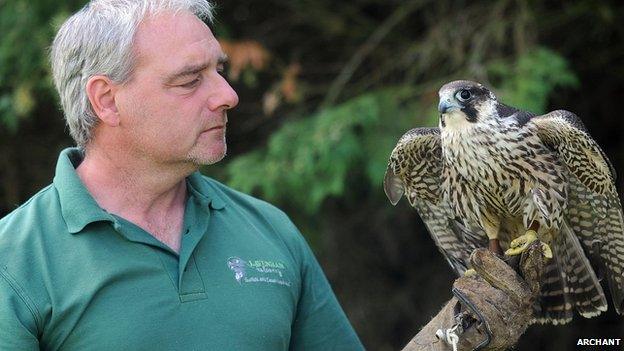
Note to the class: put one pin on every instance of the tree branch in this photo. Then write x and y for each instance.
(365, 49)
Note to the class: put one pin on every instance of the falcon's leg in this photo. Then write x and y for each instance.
(492, 228)
(541, 213)
(519, 244)
(494, 246)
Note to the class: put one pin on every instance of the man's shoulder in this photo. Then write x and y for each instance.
(42, 204)
(25, 239)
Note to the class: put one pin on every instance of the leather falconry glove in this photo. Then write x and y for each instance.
(490, 310)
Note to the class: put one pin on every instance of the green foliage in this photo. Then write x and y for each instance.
(310, 159)
(528, 82)
(27, 29)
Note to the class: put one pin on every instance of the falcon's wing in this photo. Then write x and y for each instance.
(594, 208)
(415, 169)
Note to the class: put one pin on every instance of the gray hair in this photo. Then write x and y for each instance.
(97, 40)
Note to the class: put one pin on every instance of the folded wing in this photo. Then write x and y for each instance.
(594, 209)
(415, 170)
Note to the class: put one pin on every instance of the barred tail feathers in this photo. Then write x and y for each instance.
(583, 286)
(568, 282)
(554, 306)
(612, 254)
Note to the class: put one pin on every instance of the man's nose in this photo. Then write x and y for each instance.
(223, 96)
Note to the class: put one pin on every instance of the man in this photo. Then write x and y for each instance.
(130, 248)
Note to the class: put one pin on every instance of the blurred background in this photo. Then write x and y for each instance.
(326, 89)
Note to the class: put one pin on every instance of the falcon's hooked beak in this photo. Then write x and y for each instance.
(448, 105)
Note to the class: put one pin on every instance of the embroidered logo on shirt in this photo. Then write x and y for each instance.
(258, 271)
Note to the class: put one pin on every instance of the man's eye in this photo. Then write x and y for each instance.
(221, 69)
(190, 84)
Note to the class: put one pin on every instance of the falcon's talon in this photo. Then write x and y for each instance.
(470, 273)
(546, 250)
(520, 244)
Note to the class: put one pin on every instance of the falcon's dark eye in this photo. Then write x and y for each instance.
(463, 95)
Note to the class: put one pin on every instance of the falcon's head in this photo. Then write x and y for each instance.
(464, 103)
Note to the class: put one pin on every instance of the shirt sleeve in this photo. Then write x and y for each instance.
(17, 321)
(320, 323)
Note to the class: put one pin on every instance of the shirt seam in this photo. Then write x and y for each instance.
(201, 279)
(164, 267)
(21, 293)
(201, 293)
(195, 295)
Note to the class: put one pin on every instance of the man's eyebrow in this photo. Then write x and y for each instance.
(193, 69)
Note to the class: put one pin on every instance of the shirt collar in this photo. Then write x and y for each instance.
(199, 188)
(79, 208)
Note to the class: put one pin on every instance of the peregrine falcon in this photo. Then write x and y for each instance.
(492, 175)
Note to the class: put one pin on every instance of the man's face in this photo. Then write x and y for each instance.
(173, 109)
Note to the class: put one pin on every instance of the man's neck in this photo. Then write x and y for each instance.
(151, 195)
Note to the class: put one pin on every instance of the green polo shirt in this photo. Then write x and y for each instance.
(75, 277)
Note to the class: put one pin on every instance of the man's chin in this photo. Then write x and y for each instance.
(207, 157)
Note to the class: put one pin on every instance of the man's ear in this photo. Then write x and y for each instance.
(101, 92)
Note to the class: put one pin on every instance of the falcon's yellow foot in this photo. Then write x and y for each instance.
(546, 251)
(470, 273)
(518, 245)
